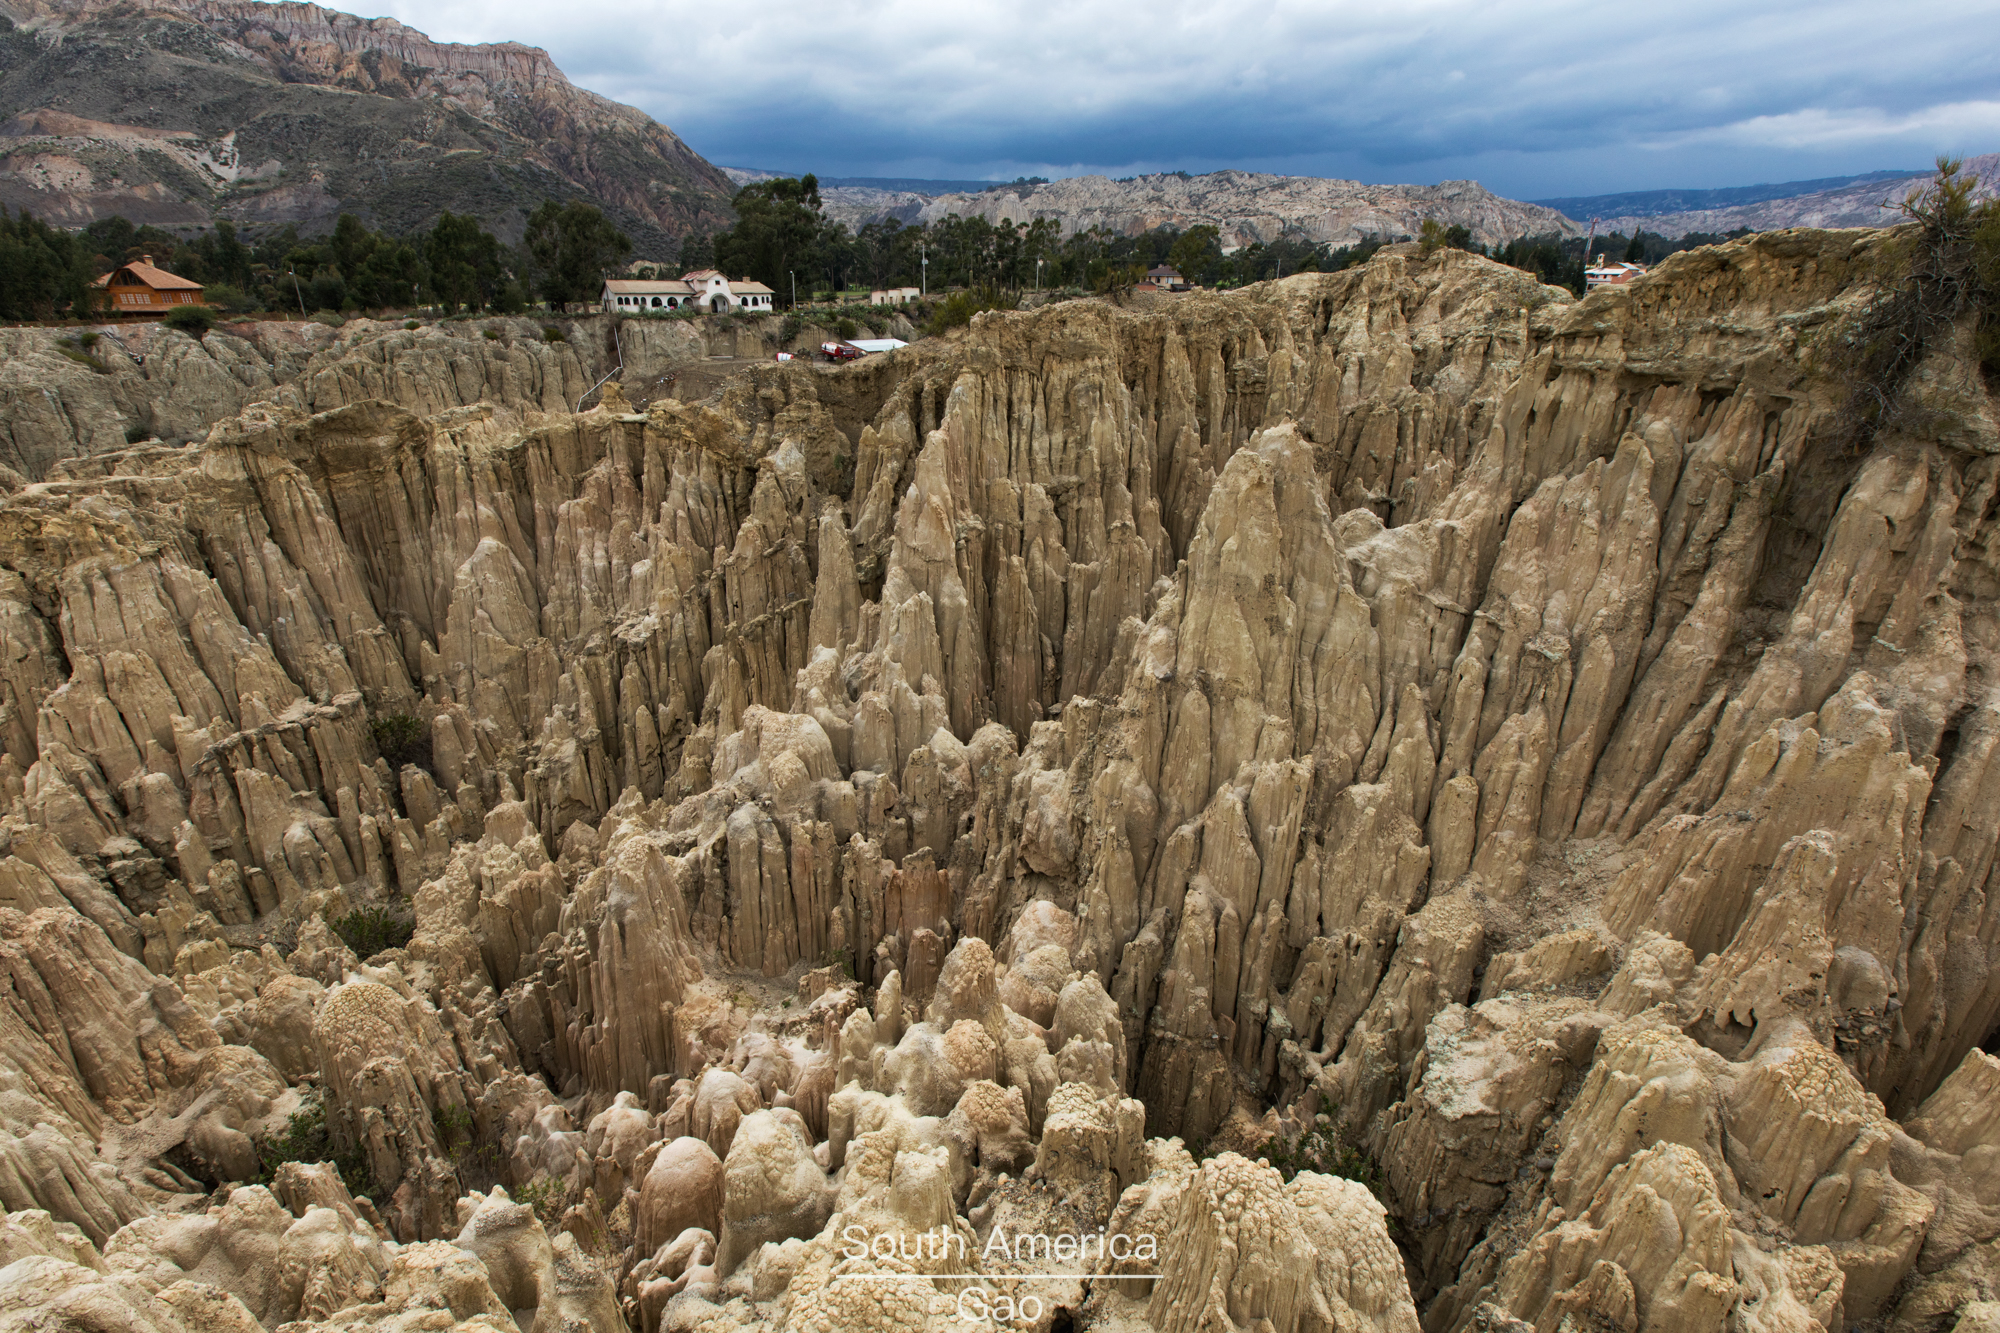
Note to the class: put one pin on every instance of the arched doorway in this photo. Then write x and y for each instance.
(656, 303)
(718, 303)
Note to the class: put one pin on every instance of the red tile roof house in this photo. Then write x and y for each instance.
(140, 290)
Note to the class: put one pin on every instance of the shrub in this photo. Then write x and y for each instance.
(1435, 236)
(959, 308)
(77, 350)
(492, 335)
(1323, 1148)
(228, 296)
(552, 334)
(305, 1140)
(547, 1196)
(87, 339)
(411, 324)
(458, 1134)
(402, 739)
(846, 328)
(333, 319)
(1944, 268)
(373, 930)
(791, 328)
(193, 320)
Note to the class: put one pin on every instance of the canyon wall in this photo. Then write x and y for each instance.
(1442, 805)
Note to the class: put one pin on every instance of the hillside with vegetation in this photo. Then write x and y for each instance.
(180, 113)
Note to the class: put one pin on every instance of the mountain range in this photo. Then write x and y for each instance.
(178, 112)
(1244, 206)
(1859, 201)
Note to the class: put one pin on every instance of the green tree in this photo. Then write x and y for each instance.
(573, 246)
(352, 243)
(778, 228)
(697, 252)
(464, 261)
(43, 271)
(193, 320)
(1197, 253)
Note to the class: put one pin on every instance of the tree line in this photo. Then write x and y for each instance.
(563, 258)
(783, 239)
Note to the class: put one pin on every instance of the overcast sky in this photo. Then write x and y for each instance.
(1533, 99)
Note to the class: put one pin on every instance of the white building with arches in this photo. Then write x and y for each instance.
(705, 290)
(631, 295)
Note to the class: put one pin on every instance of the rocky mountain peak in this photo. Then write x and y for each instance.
(396, 157)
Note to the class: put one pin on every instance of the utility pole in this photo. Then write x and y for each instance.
(923, 270)
(795, 287)
(297, 293)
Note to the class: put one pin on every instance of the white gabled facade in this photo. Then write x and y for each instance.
(717, 294)
(704, 290)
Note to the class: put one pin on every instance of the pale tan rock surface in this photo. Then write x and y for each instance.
(1402, 725)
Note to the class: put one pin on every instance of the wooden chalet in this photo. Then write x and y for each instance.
(142, 291)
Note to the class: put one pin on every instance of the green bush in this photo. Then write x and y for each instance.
(306, 1140)
(1944, 268)
(193, 320)
(791, 328)
(547, 1196)
(552, 334)
(411, 324)
(1435, 236)
(1323, 1148)
(373, 930)
(227, 296)
(847, 328)
(77, 350)
(492, 335)
(402, 739)
(959, 308)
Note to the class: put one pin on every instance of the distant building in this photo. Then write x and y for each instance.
(704, 289)
(1166, 278)
(634, 294)
(750, 295)
(715, 293)
(1612, 275)
(139, 289)
(894, 296)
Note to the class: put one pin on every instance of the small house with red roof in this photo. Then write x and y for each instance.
(140, 289)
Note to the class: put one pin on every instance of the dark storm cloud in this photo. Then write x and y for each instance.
(1526, 96)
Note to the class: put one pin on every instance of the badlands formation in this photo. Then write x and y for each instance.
(999, 791)
(1246, 207)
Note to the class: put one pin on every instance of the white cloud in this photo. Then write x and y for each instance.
(1820, 127)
